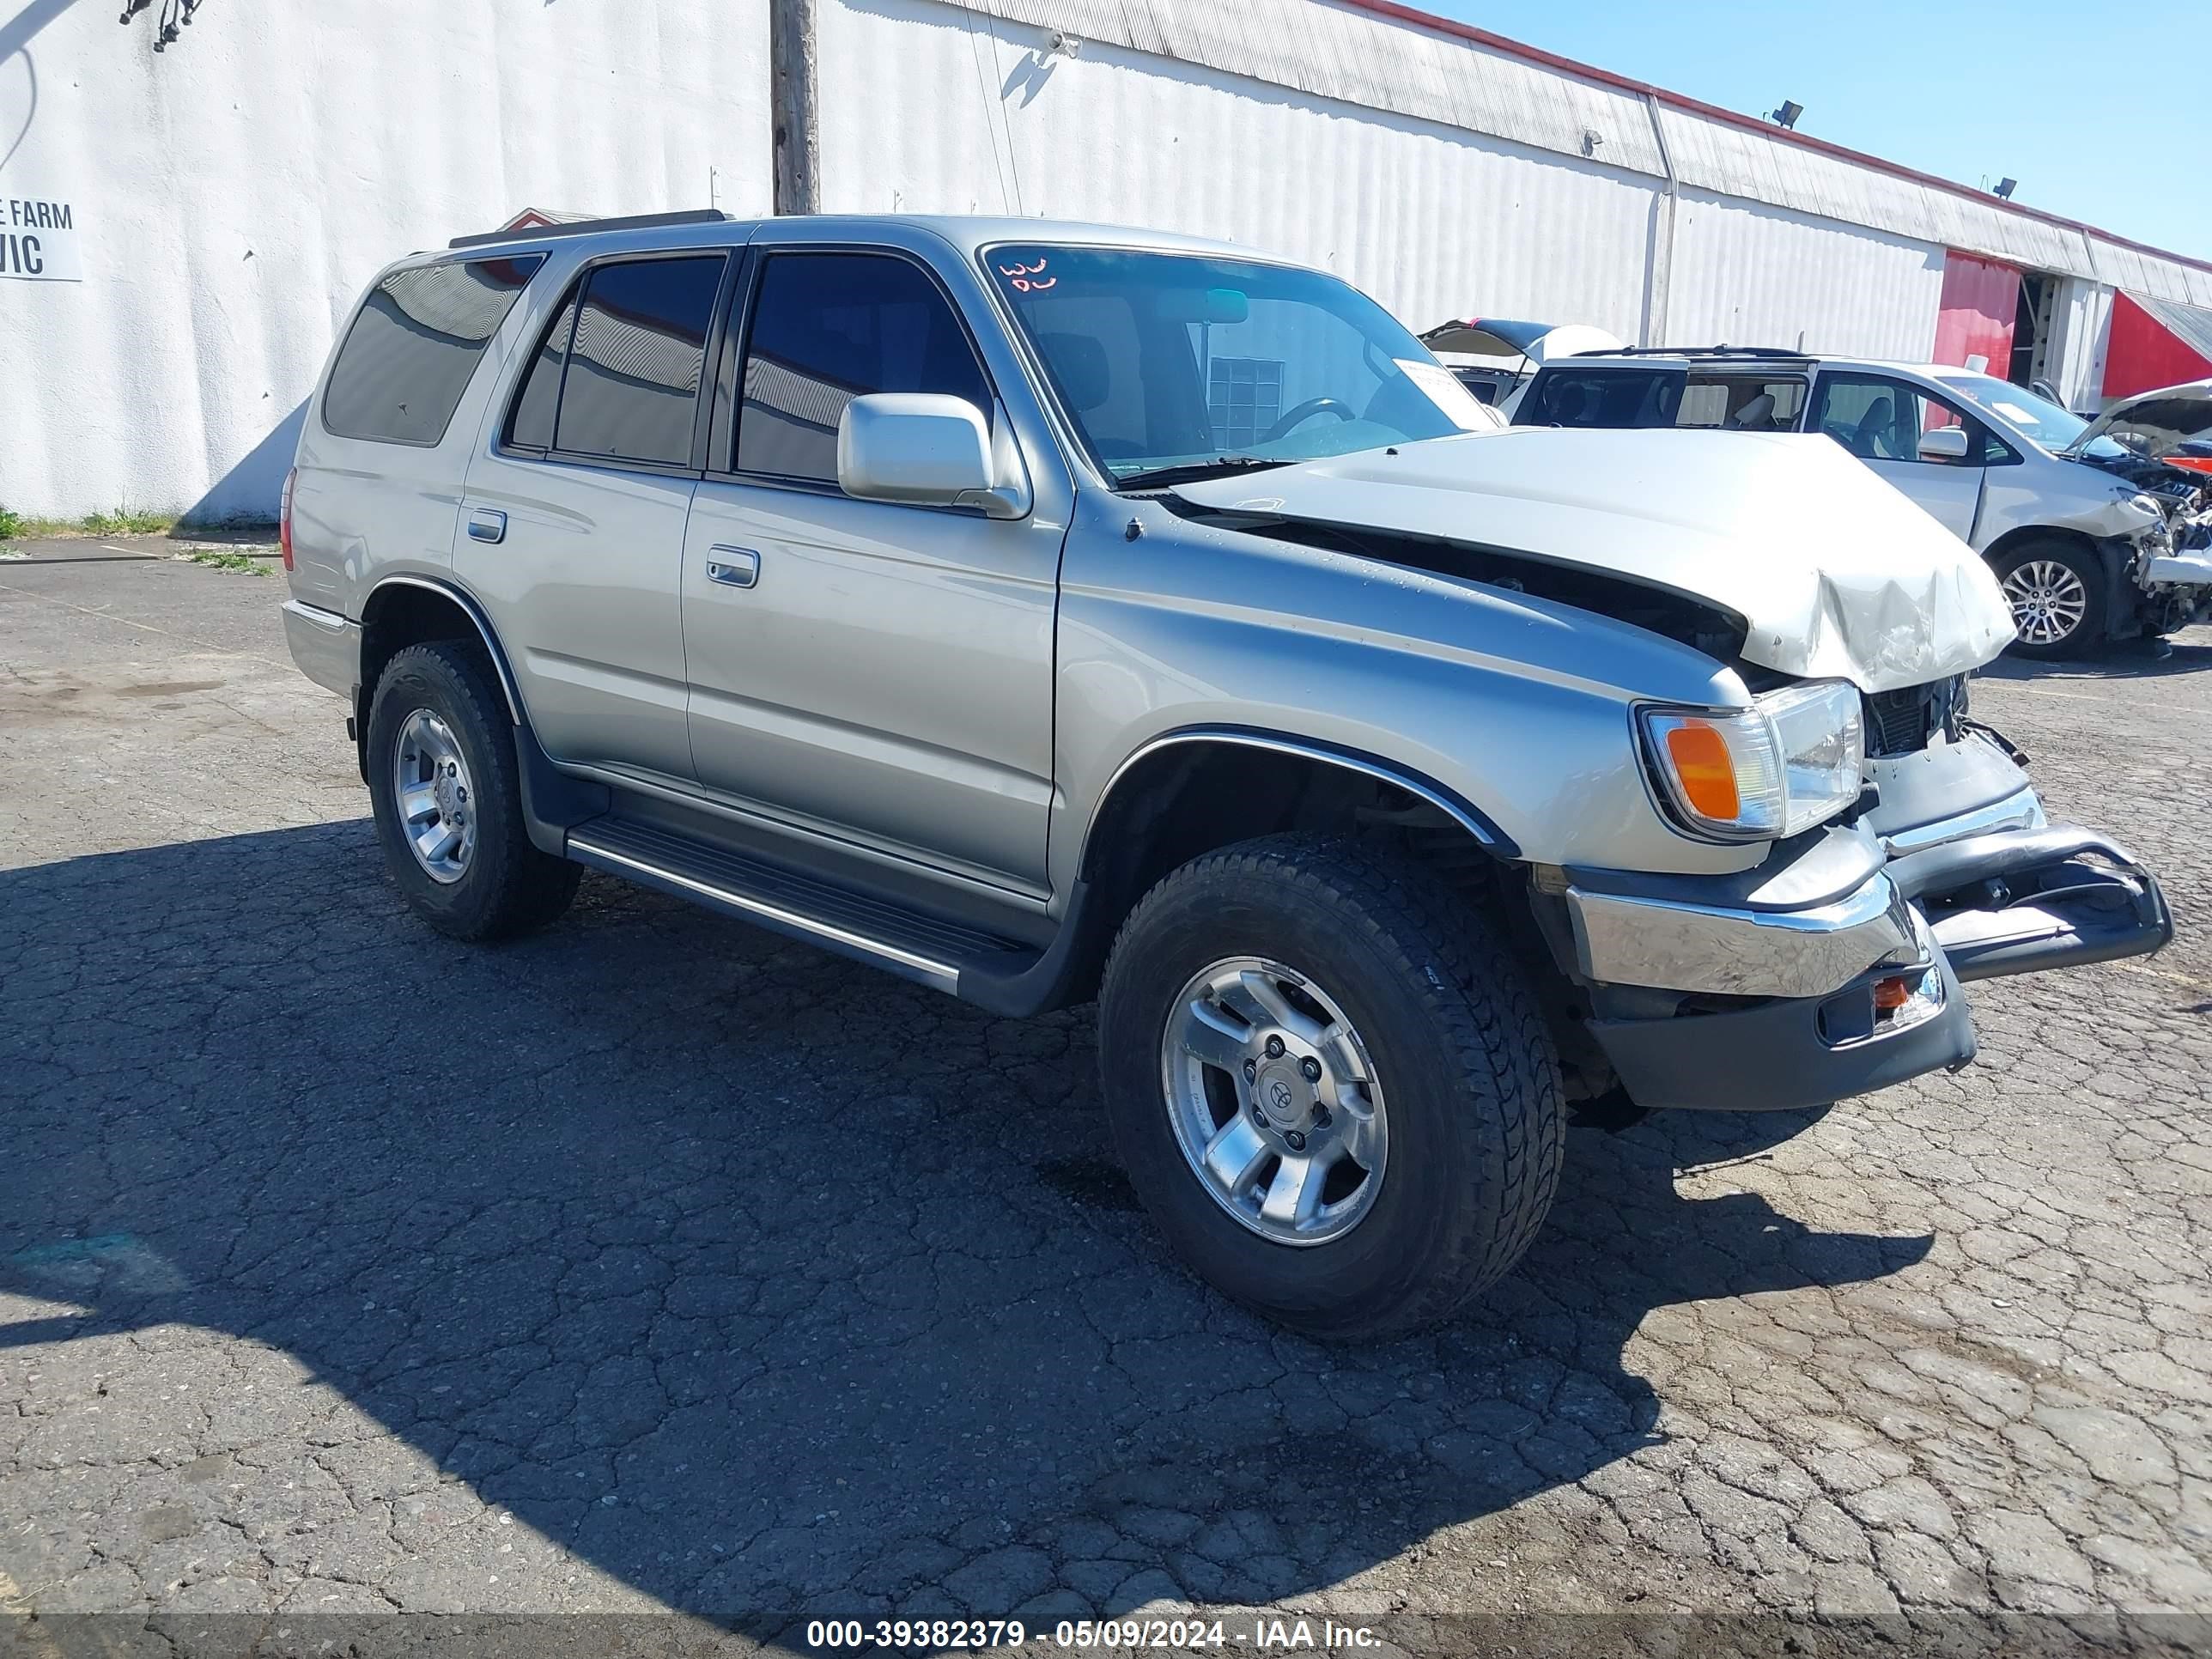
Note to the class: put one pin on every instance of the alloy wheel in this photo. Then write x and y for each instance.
(431, 787)
(2048, 601)
(1275, 1102)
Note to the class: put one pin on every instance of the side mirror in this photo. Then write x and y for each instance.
(1943, 443)
(921, 448)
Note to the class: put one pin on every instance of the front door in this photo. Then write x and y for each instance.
(1883, 421)
(572, 522)
(872, 670)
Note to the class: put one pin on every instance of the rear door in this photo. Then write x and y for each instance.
(867, 669)
(382, 455)
(1882, 420)
(572, 530)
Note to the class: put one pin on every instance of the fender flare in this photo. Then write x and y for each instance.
(475, 612)
(1470, 817)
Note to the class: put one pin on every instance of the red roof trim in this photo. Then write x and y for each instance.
(1480, 37)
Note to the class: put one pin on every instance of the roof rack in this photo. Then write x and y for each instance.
(582, 226)
(1697, 351)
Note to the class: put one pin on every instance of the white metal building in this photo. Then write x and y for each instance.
(227, 193)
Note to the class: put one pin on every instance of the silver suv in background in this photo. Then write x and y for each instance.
(2088, 545)
(1047, 613)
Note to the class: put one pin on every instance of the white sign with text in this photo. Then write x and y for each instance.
(39, 239)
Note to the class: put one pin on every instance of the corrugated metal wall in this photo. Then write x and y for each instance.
(232, 194)
(968, 112)
(971, 108)
(1746, 273)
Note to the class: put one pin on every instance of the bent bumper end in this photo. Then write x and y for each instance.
(2017, 901)
(2031, 901)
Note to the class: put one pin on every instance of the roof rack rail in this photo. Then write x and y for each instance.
(580, 227)
(1697, 351)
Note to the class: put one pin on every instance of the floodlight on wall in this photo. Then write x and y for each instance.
(1786, 117)
(2005, 188)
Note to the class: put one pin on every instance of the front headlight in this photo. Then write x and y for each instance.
(1794, 758)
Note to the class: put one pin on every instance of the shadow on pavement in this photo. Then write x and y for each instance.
(2129, 661)
(761, 1280)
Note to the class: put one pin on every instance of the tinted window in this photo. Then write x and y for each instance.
(531, 426)
(828, 328)
(1880, 419)
(633, 374)
(411, 353)
(1603, 397)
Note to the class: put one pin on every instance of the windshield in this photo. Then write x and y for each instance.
(1167, 362)
(2039, 418)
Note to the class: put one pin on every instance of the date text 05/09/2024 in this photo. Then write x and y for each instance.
(1264, 1633)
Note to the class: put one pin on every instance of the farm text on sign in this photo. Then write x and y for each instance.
(38, 239)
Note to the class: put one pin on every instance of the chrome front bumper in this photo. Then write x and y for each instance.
(1997, 892)
(1672, 947)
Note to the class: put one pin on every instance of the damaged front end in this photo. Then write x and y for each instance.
(1836, 967)
(2161, 442)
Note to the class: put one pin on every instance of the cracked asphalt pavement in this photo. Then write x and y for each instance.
(656, 1264)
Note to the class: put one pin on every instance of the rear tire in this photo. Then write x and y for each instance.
(1460, 1072)
(2056, 593)
(456, 846)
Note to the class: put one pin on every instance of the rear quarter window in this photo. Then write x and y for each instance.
(415, 345)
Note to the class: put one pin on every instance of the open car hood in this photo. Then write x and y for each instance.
(1831, 573)
(2155, 423)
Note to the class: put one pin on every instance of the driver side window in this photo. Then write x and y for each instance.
(830, 327)
(1883, 420)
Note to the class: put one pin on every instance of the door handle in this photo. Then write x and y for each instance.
(486, 524)
(733, 566)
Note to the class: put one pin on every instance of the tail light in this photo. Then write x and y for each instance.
(284, 518)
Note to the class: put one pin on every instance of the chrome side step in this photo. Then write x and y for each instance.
(920, 948)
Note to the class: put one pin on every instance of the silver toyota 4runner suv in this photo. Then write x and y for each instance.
(1048, 612)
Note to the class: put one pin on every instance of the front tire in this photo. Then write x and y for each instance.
(2056, 593)
(448, 800)
(1330, 1085)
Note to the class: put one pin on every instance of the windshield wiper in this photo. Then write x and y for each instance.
(1159, 477)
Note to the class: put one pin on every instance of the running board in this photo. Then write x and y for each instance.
(917, 947)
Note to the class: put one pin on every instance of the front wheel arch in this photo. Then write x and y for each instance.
(1193, 790)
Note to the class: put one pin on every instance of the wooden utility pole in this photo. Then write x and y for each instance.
(798, 137)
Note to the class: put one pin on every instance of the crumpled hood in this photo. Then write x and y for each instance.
(1834, 574)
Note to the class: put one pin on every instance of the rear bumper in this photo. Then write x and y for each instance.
(325, 645)
(2013, 900)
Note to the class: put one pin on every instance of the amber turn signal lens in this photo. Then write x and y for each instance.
(1891, 994)
(1706, 772)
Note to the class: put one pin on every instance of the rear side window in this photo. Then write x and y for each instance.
(828, 328)
(1603, 397)
(416, 345)
(1743, 404)
(631, 384)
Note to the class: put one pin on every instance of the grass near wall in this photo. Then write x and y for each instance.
(125, 521)
(122, 519)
